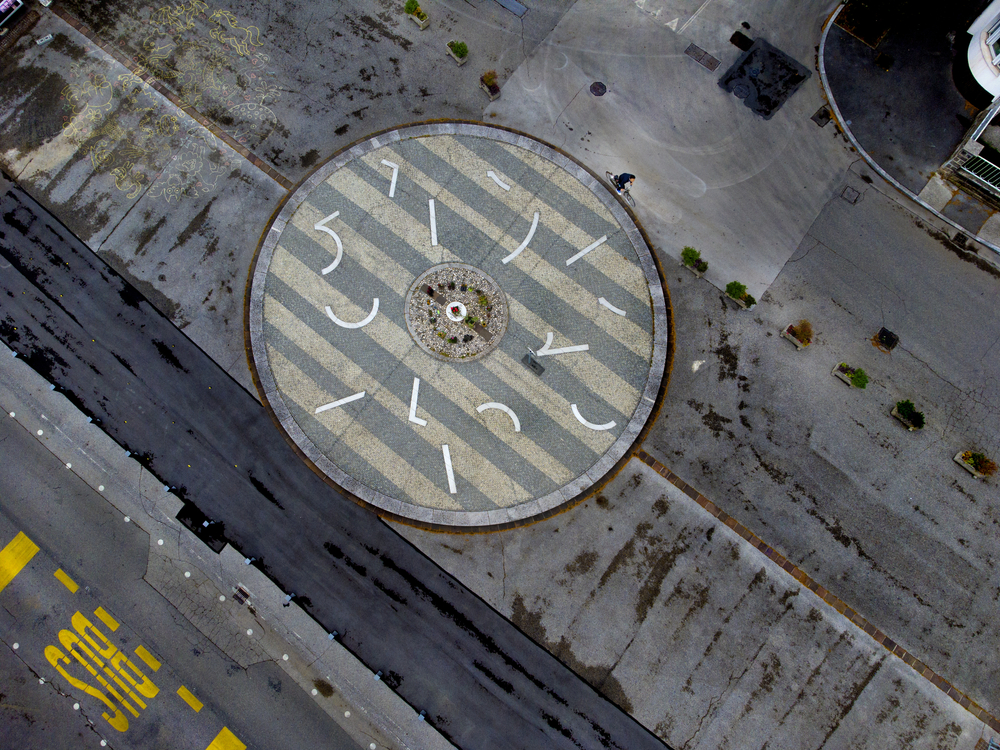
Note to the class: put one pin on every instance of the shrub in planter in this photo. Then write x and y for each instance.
(979, 462)
(738, 291)
(701, 266)
(858, 378)
(690, 257)
(488, 83)
(461, 49)
(909, 412)
(803, 331)
(411, 7)
(489, 78)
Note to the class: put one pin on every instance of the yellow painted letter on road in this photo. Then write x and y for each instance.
(117, 719)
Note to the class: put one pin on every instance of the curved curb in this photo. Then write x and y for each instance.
(464, 521)
(864, 154)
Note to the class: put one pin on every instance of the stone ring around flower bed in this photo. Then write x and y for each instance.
(456, 313)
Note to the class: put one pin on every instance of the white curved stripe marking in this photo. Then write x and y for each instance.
(504, 408)
(612, 308)
(434, 226)
(548, 351)
(520, 248)
(413, 404)
(361, 323)
(321, 226)
(335, 404)
(587, 249)
(395, 173)
(493, 176)
(591, 425)
(447, 467)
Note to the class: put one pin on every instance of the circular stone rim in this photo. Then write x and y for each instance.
(433, 518)
(416, 287)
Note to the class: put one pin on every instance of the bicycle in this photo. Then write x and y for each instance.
(624, 192)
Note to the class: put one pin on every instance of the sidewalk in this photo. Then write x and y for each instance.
(906, 103)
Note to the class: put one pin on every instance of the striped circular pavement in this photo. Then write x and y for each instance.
(434, 439)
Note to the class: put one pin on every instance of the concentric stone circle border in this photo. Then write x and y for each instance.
(415, 289)
(434, 518)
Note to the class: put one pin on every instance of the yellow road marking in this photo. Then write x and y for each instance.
(226, 740)
(66, 581)
(14, 557)
(106, 619)
(195, 704)
(151, 661)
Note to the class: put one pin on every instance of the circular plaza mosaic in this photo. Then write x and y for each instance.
(458, 325)
(456, 312)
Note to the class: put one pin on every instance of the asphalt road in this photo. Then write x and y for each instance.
(482, 682)
(79, 533)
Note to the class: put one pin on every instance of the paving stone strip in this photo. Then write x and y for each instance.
(148, 78)
(323, 667)
(827, 596)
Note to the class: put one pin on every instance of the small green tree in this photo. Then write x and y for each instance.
(411, 7)
(859, 378)
(690, 256)
(909, 412)
(736, 290)
(461, 49)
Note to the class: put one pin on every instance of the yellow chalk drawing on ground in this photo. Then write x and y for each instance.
(214, 63)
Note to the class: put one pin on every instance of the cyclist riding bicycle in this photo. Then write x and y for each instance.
(623, 180)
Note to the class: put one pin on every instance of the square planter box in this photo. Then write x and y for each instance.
(696, 272)
(798, 344)
(422, 24)
(741, 303)
(967, 467)
(489, 93)
(460, 60)
(906, 423)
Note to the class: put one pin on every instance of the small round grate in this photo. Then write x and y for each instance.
(598, 89)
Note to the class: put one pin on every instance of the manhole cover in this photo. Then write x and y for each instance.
(455, 312)
(741, 91)
(598, 89)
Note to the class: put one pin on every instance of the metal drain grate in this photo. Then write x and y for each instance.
(241, 595)
(850, 195)
(701, 57)
(598, 89)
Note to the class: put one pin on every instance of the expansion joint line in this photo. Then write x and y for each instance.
(831, 599)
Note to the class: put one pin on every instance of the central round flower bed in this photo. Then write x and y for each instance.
(455, 312)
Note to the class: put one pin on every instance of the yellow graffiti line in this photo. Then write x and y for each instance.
(226, 740)
(66, 581)
(14, 557)
(189, 698)
(151, 661)
(107, 619)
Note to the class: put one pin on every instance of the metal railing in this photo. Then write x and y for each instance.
(985, 170)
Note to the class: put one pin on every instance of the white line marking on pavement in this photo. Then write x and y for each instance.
(493, 176)
(591, 425)
(413, 405)
(321, 226)
(612, 308)
(548, 351)
(335, 404)
(447, 467)
(531, 233)
(696, 14)
(395, 173)
(587, 249)
(434, 226)
(504, 408)
(360, 323)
